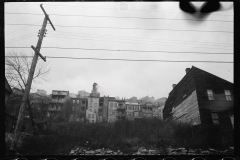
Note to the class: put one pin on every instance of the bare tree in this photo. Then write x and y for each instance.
(17, 68)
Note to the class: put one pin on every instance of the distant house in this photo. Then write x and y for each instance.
(201, 98)
(103, 107)
(78, 109)
(147, 110)
(116, 110)
(133, 110)
(112, 111)
(121, 109)
(57, 103)
(10, 121)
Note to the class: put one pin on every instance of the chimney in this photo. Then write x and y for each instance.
(187, 70)
(173, 85)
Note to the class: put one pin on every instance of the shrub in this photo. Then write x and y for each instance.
(123, 135)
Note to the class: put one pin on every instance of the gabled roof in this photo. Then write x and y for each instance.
(7, 86)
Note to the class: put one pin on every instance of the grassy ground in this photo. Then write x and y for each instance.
(127, 136)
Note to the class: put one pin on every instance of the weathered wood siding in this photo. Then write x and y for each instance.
(187, 111)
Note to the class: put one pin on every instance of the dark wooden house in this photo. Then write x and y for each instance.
(201, 98)
(10, 121)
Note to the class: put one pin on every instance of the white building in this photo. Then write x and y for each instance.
(93, 103)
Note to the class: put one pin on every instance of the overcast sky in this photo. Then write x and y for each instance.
(122, 78)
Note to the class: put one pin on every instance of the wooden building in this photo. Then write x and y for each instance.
(201, 98)
(10, 121)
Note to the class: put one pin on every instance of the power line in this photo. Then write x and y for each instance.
(102, 59)
(205, 43)
(131, 28)
(137, 10)
(109, 40)
(124, 41)
(21, 36)
(124, 50)
(144, 18)
(22, 28)
(16, 39)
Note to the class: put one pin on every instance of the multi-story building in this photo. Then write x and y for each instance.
(121, 109)
(103, 107)
(147, 110)
(93, 103)
(78, 109)
(201, 98)
(58, 101)
(116, 110)
(112, 111)
(133, 110)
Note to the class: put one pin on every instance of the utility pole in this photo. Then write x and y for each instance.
(31, 117)
(29, 80)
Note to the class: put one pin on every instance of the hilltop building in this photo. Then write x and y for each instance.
(93, 104)
(78, 109)
(58, 100)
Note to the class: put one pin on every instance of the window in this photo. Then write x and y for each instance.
(95, 110)
(73, 101)
(89, 115)
(92, 121)
(91, 99)
(210, 94)
(92, 115)
(83, 102)
(111, 105)
(77, 101)
(115, 105)
(228, 95)
(215, 118)
(90, 110)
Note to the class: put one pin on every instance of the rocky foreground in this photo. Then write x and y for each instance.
(144, 151)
